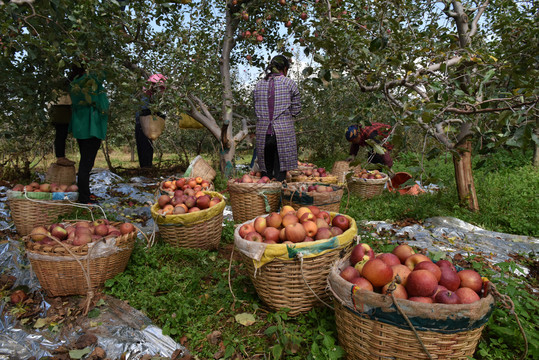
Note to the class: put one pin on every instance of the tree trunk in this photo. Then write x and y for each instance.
(464, 175)
(227, 161)
(132, 147)
(536, 156)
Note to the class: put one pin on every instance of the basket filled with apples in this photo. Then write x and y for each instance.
(288, 254)
(75, 257)
(173, 185)
(250, 197)
(39, 204)
(192, 221)
(311, 175)
(324, 196)
(366, 183)
(377, 298)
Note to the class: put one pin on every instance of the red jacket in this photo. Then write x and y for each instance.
(377, 132)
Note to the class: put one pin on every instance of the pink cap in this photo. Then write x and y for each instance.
(156, 78)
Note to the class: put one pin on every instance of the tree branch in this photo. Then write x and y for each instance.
(480, 12)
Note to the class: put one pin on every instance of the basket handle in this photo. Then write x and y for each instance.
(300, 257)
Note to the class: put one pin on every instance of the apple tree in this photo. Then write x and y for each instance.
(460, 70)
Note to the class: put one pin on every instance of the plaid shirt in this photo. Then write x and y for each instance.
(287, 105)
(376, 132)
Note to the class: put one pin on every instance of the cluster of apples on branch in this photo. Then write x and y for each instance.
(79, 233)
(289, 226)
(415, 276)
(45, 187)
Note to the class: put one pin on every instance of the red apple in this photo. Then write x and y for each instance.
(274, 220)
(307, 217)
(323, 233)
(336, 231)
(403, 251)
(402, 272)
(271, 234)
(246, 179)
(377, 272)
(467, 295)
(260, 224)
(18, 296)
(349, 273)
(203, 202)
(359, 252)
(470, 279)
(446, 263)
(341, 221)
(437, 290)
(447, 297)
(302, 211)
(389, 259)
(179, 210)
(82, 239)
(101, 230)
(314, 209)
(430, 266)
(190, 201)
(362, 283)
(126, 228)
(290, 219)
(449, 279)
(308, 239)
(399, 292)
(282, 236)
(421, 283)
(254, 236)
(295, 232)
(245, 229)
(193, 209)
(310, 228)
(324, 215)
(163, 200)
(39, 233)
(415, 259)
(287, 209)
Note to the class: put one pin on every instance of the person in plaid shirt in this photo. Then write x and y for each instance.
(277, 102)
(377, 132)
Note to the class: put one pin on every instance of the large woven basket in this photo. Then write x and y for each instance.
(340, 169)
(29, 213)
(248, 200)
(370, 327)
(60, 274)
(296, 195)
(300, 283)
(366, 188)
(200, 167)
(61, 175)
(198, 230)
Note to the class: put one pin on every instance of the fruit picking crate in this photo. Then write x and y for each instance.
(366, 188)
(60, 272)
(248, 200)
(297, 195)
(32, 209)
(293, 279)
(369, 326)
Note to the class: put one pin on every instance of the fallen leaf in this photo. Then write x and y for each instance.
(41, 322)
(78, 354)
(245, 319)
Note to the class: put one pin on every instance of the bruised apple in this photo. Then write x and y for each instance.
(402, 272)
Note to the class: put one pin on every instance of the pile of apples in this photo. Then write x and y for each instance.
(369, 174)
(197, 184)
(45, 187)
(79, 233)
(308, 223)
(319, 188)
(314, 172)
(185, 201)
(417, 277)
(250, 179)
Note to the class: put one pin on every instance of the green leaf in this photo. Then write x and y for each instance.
(78, 354)
(95, 312)
(307, 71)
(277, 351)
(41, 322)
(245, 319)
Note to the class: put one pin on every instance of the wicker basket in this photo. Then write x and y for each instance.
(298, 284)
(248, 200)
(198, 230)
(29, 213)
(366, 188)
(340, 169)
(296, 195)
(60, 274)
(200, 167)
(370, 327)
(61, 175)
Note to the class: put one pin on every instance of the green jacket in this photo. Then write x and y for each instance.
(90, 107)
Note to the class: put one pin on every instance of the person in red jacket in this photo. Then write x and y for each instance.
(377, 132)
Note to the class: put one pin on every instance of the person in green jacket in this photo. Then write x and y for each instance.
(89, 117)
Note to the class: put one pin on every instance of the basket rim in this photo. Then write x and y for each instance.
(369, 181)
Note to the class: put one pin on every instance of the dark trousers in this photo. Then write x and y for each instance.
(88, 149)
(271, 159)
(144, 147)
(60, 138)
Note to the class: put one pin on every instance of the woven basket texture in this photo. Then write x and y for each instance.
(248, 200)
(366, 188)
(61, 175)
(280, 283)
(447, 332)
(62, 275)
(203, 169)
(205, 235)
(294, 196)
(367, 339)
(27, 214)
(340, 169)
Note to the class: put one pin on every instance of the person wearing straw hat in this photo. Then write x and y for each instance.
(378, 132)
(277, 103)
(144, 144)
(89, 120)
